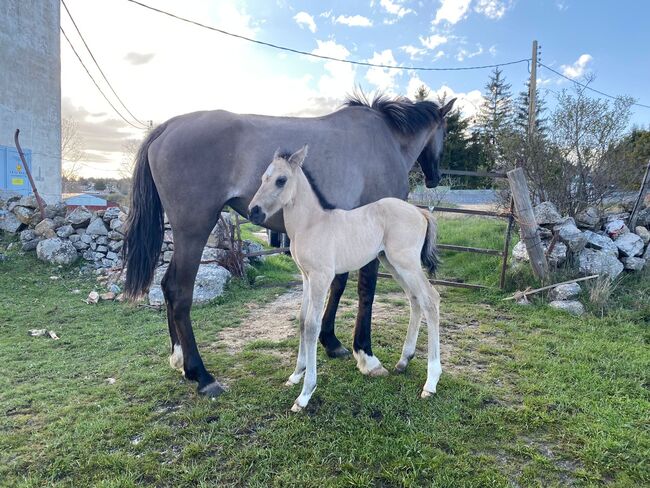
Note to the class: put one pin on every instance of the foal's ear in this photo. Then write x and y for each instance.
(447, 108)
(276, 154)
(299, 156)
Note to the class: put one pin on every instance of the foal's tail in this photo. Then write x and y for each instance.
(144, 226)
(429, 253)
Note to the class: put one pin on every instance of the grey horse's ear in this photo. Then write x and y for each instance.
(299, 156)
(276, 154)
(447, 108)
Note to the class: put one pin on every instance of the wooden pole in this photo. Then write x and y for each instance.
(39, 200)
(544, 288)
(645, 184)
(527, 223)
(506, 246)
(532, 93)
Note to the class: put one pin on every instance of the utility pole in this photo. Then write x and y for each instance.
(532, 92)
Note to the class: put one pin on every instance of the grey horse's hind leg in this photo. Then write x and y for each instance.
(328, 339)
(178, 288)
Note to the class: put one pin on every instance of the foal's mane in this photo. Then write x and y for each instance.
(404, 115)
(324, 202)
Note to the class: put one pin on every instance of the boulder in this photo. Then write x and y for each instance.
(168, 236)
(573, 307)
(643, 233)
(56, 251)
(616, 228)
(97, 228)
(546, 214)
(56, 210)
(519, 252)
(86, 238)
(9, 222)
(633, 263)
(111, 213)
(167, 256)
(79, 217)
(45, 228)
(101, 249)
(589, 218)
(23, 214)
(116, 236)
(558, 255)
(565, 292)
(28, 201)
(599, 262)
(210, 282)
(601, 242)
(115, 246)
(58, 221)
(629, 244)
(643, 217)
(213, 254)
(102, 240)
(74, 238)
(117, 225)
(66, 231)
(79, 245)
(27, 235)
(571, 235)
(30, 245)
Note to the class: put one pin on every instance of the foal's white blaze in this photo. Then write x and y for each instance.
(176, 359)
(369, 365)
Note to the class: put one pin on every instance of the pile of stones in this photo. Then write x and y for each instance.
(65, 236)
(595, 242)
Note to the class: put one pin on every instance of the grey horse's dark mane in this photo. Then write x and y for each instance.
(406, 116)
(324, 203)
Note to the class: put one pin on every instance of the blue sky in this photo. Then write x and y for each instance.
(162, 67)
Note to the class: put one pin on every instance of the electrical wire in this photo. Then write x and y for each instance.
(583, 85)
(99, 68)
(321, 56)
(93, 80)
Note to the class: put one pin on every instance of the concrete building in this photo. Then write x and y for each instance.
(30, 95)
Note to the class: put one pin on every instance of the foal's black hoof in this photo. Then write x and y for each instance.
(213, 390)
(339, 352)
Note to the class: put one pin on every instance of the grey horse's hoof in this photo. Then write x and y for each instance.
(213, 390)
(339, 352)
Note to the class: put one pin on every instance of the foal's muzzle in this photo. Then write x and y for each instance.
(256, 215)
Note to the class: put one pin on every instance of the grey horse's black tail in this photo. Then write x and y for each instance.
(145, 224)
(429, 253)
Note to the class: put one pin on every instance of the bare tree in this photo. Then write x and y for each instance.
(72, 150)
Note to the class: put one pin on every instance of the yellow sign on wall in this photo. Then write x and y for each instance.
(17, 181)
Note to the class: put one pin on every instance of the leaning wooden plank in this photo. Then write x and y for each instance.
(519, 294)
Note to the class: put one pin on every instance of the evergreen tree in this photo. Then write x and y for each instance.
(522, 106)
(494, 121)
(422, 93)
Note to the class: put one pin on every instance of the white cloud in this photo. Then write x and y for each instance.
(326, 14)
(413, 52)
(493, 9)
(493, 50)
(395, 7)
(353, 20)
(303, 19)
(433, 41)
(465, 54)
(439, 55)
(577, 69)
(383, 78)
(468, 102)
(339, 77)
(452, 11)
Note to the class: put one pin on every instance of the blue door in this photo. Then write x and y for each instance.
(13, 177)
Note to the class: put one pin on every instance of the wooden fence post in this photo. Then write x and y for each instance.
(527, 222)
(645, 185)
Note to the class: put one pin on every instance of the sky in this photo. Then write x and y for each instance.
(161, 67)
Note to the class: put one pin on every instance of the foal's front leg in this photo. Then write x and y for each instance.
(298, 373)
(317, 292)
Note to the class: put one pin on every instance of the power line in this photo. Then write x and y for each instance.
(93, 80)
(321, 56)
(583, 85)
(98, 67)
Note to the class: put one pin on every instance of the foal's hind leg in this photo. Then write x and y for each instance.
(408, 350)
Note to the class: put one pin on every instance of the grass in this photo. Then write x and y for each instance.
(529, 396)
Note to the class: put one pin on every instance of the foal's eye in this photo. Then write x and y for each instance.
(280, 182)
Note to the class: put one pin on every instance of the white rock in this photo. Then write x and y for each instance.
(601, 242)
(56, 251)
(565, 292)
(633, 263)
(643, 233)
(210, 283)
(573, 307)
(616, 228)
(589, 218)
(79, 217)
(571, 235)
(546, 213)
(600, 263)
(9, 222)
(629, 244)
(97, 228)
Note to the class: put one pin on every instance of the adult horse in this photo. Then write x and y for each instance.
(194, 164)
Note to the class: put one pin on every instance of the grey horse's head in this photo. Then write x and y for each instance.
(413, 120)
(430, 157)
(278, 186)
